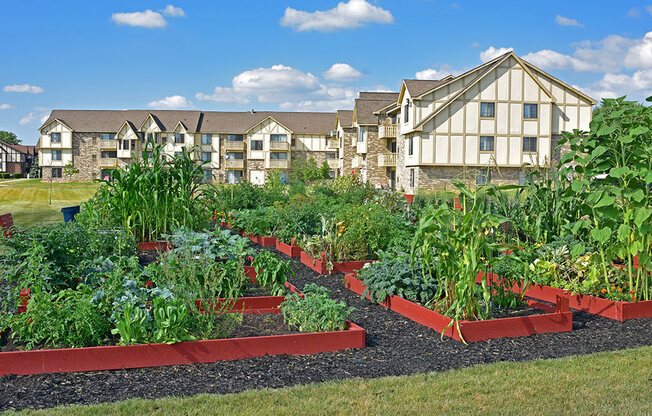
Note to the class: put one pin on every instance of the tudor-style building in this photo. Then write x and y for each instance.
(17, 158)
(236, 145)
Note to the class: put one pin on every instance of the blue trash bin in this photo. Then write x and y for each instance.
(69, 213)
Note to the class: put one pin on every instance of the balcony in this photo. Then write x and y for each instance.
(283, 146)
(108, 162)
(387, 131)
(387, 160)
(356, 161)
(109, 144)
(234, 163)
(239, 145)
(332, 143)
(277, 164)
(333, 163)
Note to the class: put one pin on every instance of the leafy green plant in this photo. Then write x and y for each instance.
(132, 325)
(316, 311)
(272, 272)
(170, 321)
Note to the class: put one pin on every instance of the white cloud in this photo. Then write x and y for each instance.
(634, 12)
(640, 55)
(172, 11)
(649, 9)
(27, 119)
(325, 99)
(222, 95)
(636, 86)
(547, 59)
(436, 74)
(567, 21)
(342, 73)
(32, 89)
(6, 107)
(349, 15)
(491, 53)
(148, 19)
(177, 102)
(268, 84)
(475, 44)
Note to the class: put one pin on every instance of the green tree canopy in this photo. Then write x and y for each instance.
(9, 137)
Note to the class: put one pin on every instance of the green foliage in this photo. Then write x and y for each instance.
(316, 311)
(9, 137)
(69, 169)
(396, 275)
(272, 272)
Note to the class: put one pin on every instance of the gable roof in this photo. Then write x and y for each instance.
(416, 87)
(109, 121)
(21, 148)
(345, 117)
(370, 102)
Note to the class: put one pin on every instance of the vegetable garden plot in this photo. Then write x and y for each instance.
(617, 310)
(559, 319)
(189, 352)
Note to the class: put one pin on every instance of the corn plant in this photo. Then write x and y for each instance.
(454, 246)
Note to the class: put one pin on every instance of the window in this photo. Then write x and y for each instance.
(206, 139)
(524, 177)
(208, 175)
(530, 110)
(125, 145)
(179, 138)
(530, 144)
(234, 138)
(133, 145)
(150, 137)
(410, 145)
(178, 154)
(412, 178)
(233, 176)
(293, 142)
(234, 155)
(394, 119)
(278, 137)
(361, 134)
(206, 156)
(331, 156)
(486, 143)
(56, 155)
(483, 177)
(487, 109)
(108, 136)
(256, 145)
(109, 154)
(56, 172)
(406, 111)
(278, 156)
(55, 137)
(393, 147)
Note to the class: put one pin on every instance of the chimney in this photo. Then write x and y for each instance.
(252, 111)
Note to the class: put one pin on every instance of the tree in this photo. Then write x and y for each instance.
(324, 171)
(70, 169)
(9, 137)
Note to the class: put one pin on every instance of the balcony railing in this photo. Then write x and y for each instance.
(234, 145)
(333, 163)
(108, 144)
(387, 160)
(108, 162)
(278, 164)
(278, 145)
(332, 143)
(234, 163)
(387, 131)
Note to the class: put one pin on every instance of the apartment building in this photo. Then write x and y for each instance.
(236, 145)
(17, 158)
(490, 124)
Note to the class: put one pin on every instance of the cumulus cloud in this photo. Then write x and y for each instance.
(267, 84)
(148, 19)
(567, 21)
(222, 95)
(548, 59)
(6, 107)
(640, 55)
(349, 15)
(636, 86)
(491, 53)
(436, 74)
(27, 119)
(342, 73)
(172, 11)
(176, 102)
(31, 89)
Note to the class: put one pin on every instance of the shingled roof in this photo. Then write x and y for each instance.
(195, 121)
(417, 87)
(370, 102)
(345, 117)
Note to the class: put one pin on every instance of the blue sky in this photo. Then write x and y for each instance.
(296, 55)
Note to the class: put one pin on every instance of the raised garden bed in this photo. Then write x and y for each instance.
(320, 266)
(558, 318)
(291, 250)
(617, 310)
(190, 352)
(155, 245)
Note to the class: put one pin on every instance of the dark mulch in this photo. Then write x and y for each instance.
(395, 346)
(261, 325)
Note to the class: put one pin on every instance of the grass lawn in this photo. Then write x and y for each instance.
(613, 383)
(28, 199)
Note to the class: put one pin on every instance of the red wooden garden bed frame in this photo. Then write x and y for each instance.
(292, 249)
(558, 319)
(189, 352)
(155, 245)
(617, 310)
(320, 265)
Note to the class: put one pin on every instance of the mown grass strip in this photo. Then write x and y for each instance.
(604, 383)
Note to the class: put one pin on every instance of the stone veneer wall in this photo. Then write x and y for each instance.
(430, 178)
(347, 151)
(402, 173)
(84, 147)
